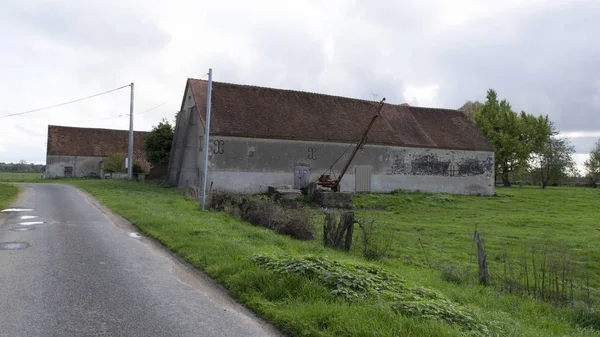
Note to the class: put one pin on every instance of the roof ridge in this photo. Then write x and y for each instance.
(320, 94)
(290, 90)
(432, 108)
(91, 128)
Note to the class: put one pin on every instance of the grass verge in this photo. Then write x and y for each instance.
(8, 193)
(21, 177)
(308, 290)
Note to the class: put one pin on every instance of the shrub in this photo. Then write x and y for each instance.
(115, 163)
(265, 213)
(137, 168)
(373, 244)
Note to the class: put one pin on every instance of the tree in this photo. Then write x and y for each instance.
(554, 163)
(470, 108)
(157, 145)
(592, 165)
(515, 137)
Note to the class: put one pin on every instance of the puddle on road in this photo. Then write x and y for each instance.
(31, 223)
(13, 245)
(23, 229)
(17, 210)
(27, 217)
(134, 235)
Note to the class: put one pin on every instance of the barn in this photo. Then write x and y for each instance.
(80, 152)
(263, 136)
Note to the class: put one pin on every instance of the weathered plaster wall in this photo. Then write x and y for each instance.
(186, 160)
(82, 165)
(250, 165)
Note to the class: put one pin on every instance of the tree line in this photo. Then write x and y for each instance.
(22, 167)
(528, 145)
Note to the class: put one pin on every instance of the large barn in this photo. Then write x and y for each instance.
(80, 152)
(263, 136)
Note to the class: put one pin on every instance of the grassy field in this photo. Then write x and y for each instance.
(513, 224)
(309, 290)
(7, 194)
(20, 177)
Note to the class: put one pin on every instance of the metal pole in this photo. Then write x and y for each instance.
(130, 157)
(206, 135)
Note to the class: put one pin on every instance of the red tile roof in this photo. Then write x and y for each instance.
(258, 112)
(73, 141)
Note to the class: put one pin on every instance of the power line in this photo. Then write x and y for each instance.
(61, 104)
(123, 115)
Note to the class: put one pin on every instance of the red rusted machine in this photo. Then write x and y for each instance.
(325, 179)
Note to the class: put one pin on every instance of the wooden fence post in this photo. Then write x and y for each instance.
(481, 260)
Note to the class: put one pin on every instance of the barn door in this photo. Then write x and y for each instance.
(301, 176)
(362, 178)
(68, 171)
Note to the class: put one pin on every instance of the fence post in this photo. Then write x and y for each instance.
(481, 260)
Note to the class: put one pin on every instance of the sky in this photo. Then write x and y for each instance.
(542, 56)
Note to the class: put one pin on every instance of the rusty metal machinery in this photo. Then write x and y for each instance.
(326, 180)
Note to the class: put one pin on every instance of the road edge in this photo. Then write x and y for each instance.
(21, 196)
(184, 271)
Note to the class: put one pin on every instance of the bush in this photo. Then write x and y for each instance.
(264, 213)
(137, 168)
(373, 244)
(115, 163)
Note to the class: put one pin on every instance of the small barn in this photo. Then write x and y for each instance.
(80, 152)
(264, 136)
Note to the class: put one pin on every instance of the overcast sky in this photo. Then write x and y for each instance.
(543, 56)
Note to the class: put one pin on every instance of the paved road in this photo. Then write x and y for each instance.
(83, 274)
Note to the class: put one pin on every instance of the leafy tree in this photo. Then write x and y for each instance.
(592, 165)
(470, 108)
(554, 163)
(515, 137)
(115, 162)
(158, 143)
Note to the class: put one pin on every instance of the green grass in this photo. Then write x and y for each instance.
(298, 296)
(20, 177)
(8, 193)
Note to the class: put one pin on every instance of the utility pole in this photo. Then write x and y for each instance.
(206, 135)
(130, 157)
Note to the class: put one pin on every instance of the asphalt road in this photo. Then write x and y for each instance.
(83, 273)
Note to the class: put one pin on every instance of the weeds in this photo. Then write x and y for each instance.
(265, 213)
(373, 244)
(362, 282)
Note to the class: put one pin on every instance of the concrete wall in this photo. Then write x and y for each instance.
(251, 165)
(82, 165)
(186, 160)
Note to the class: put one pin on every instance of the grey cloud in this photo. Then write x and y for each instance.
(95, 26)
(583, 144)
(552, 66)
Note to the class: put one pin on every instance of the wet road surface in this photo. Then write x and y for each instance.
(69, 268)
